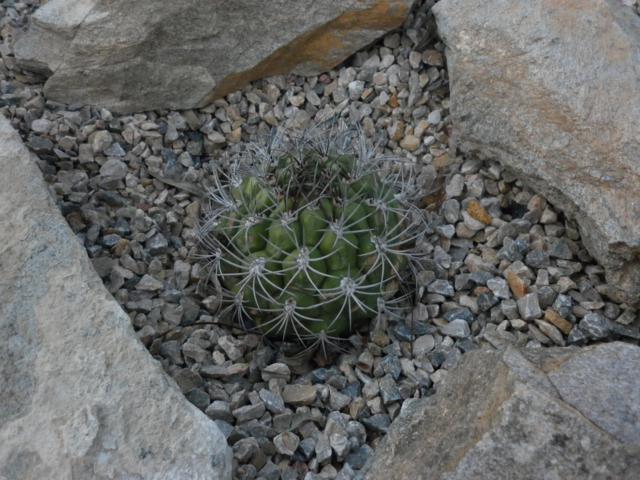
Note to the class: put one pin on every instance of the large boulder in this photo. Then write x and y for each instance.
(552, 90)
(156, 54)
(80, 397)
(566, 414)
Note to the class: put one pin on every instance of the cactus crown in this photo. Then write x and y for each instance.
(313, 233)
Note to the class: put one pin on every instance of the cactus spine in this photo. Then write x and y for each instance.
(313, 234)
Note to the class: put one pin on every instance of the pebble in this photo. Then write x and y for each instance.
(223, 372)
(478, 212)
(114, 168)
(563, 305)
(499, 287)
(339, 444)
(451, 211)
(510, 309)
(299, 394)
(388, 390)
(322, 448)
(41, 125)
(115, 150)
(556, 319)
(595, 326)
(232, 348)
(149, 284)
(550, 331)
(410, 143)
(529, 307)
(435, 117)
(249, 412)
(286, 443)
(441, 287)
(220, 410)
(157, 244)
(461, 313)
(101, 140)
(378, 423)
(455, 186)
(279, 371)
(456, 329)
(272, 401)
(516, 284)
(423, 345)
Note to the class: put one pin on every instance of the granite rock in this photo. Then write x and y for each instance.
(548, 413)
(552, 90)
(80, 396)
(179, 54)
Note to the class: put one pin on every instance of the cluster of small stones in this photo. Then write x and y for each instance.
(505, 266)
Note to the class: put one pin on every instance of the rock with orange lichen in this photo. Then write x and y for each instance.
(179, 54)
(477, 211)
(517, 285)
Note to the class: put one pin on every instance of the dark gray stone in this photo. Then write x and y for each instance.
(442, 287)
(595, 326)
(456, 329)
(378, 423)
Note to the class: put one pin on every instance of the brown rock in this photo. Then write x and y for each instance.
(477, 211)
(433, 57)
(396, 131)
(564, 325)
(410, 143)
(299, 394)
(517, 285)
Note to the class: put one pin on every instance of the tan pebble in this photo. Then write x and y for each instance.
(517, 285)
(564, 325)
(410, 142)
(433, 57)
(396, 131)
(477, 211)
(121, 247)
(235, 136)
(421, 127)
(479, 290)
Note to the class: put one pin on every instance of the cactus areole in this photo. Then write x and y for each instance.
(313, 234)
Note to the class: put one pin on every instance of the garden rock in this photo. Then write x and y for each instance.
(552, 90)
(547, 413)
(145, 55)
(80, 395)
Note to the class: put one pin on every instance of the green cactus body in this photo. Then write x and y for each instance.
(316, 238)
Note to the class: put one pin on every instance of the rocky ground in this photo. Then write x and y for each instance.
(506, 267)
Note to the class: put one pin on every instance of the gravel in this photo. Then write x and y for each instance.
(505, 267)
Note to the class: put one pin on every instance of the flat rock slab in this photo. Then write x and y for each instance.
(80, 397)
(178, 54)
(552, 90)
(561, 413)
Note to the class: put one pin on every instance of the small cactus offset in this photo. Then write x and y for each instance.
(313, 234)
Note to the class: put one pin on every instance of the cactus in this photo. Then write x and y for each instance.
(313, 234)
